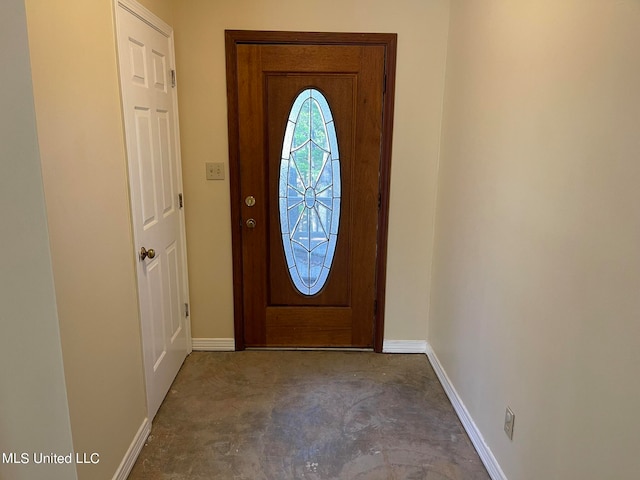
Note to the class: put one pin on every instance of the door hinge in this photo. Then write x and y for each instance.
(375, 307)
(180, 200)
(173, 78)
(379, 200)
(384, 86)
(186, 309)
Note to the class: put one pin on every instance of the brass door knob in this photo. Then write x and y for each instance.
(144, 253)
(251, 223)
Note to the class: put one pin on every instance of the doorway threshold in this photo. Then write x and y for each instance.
(310, 349)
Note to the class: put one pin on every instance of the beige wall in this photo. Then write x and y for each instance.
(199, 30)
(31, 367)
(537, 265)
(81, 139)
(161, 8)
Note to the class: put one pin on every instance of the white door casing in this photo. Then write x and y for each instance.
(149, 99)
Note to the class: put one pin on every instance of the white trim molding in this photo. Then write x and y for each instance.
(213, 344)
(485, 453)
(134, 450)
(146, 15)
(404, 346)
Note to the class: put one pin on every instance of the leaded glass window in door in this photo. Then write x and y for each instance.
(309, 191)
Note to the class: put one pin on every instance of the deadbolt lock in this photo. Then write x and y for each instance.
(250, 201)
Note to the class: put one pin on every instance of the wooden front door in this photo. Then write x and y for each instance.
(309, 148)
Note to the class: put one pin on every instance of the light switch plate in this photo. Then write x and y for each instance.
(215, 171)
(509, 419)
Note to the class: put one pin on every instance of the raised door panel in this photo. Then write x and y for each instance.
(167, 183)
(281, 92)
(158, 344)
(145, 162)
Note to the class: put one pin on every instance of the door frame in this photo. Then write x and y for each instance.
(233, 38)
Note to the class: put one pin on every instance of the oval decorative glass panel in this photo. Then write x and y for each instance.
(309, 191)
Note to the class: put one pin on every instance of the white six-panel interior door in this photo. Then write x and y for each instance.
(146, 59)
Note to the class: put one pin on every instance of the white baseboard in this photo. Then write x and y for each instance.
(404, 346)
(490, 462)
(213, 344)
(130, 457)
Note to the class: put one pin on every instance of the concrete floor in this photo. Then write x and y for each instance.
(307, 415)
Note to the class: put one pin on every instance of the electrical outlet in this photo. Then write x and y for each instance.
(509, 418)
(215, 171)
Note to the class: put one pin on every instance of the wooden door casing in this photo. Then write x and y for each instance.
(255, 55)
